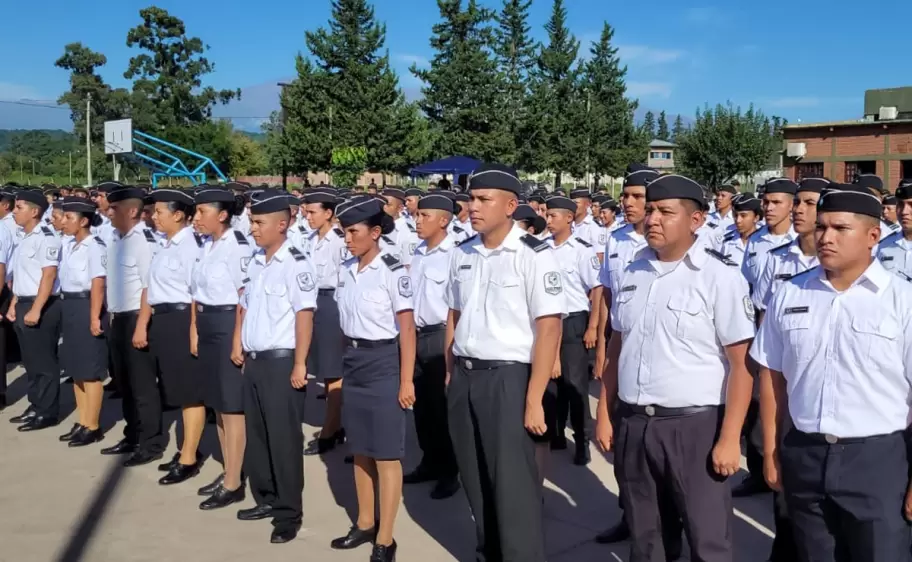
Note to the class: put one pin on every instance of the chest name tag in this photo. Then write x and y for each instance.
(783, 276)
(751, 254)
(886, 258)
(462, 267)
(614, 255)
(797, 310)
(628, 288)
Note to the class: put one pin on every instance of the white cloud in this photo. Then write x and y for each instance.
(408, 59)
(646, 55)
(649, 89)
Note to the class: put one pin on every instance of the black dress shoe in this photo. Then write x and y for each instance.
(750, 486)
(210, 489)
(86, 437)
(69, 435)
(355, 538)
(110, 387)
(140, 458)
(323, 445)
(223, 498)
(618, 533)
(559, 443)
(167, 466)
(38, 423)
(180, 473)
(421, 474)
(445, 488)
(384, 553)
(25, 416)
(582, 456)
(285, 533)
(2, 401)
(255, 513)
(123, 447)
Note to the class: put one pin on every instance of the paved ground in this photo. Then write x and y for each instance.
(63, 505)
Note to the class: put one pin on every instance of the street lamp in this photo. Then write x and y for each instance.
(282, 118)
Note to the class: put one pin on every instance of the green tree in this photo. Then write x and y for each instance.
(515, 51)
(648, 127)
(612, 139)
(247, 157)
(662, 132)
(678, 130)
(411, 143)
(725, 142)
(463, 89)
(302, 132)
(556, 105)
(107, 104)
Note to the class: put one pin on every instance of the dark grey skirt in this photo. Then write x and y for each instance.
(328, 345)
(82, 355)
(223, 384)
(373, 419)
(179, 374)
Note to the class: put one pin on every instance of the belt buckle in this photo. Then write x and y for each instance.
(199, 308)
(354, 343)
(253, 354)
(831, 439)
(468, 364)
(650, 411)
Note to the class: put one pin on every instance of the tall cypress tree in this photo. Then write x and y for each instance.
(463, 90)
(649, 125)
(677, 130)
(662, 132)
(515, 50)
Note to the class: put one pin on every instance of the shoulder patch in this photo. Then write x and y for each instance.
(47, 231)
(392, 262)
(410, 226)
(458, 229)
(800, 273)
(721, 257)
(198, 238)
(782, 247)
(339, 232)
(534, 243)
(905, 276)
(150, 237)
(296, 254)
(388, 240)
(100, 241)
(730, 236)
(467, 240)
(584, 243)
(241, 239)
(713, 225)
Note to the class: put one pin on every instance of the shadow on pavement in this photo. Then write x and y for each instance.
(92, 517)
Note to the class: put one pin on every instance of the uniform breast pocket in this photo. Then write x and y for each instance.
(128, 262)
(798, 336)
(435, 276)
(216, 271)
(505, 292)
(78, 264)
(623, 313)
(687, 316)
(276, 300)
(877, 340)
(173, 264)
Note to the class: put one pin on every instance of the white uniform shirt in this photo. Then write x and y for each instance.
(846, 356)
(370, 299)
(458, 232)
(241, 223)
(220, 269)
(299, 237)
(129, 260)
(758, 245)
(622, 245)
(37, 249)
(895, 254)
(172, 269)
(406, 238)
(105, 230)
(719, 222)
(81, 262)
(274, 293)
(430, 274)
(733, 247)
(500, 293)
(676, 320)
(10, 224)
(7, 245)
(603, 233)
(781, 265)
(466, 226)
(580, 268)
(588, 231)
(327, 254)
(887, 229)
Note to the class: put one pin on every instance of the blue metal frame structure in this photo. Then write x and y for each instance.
(167, 165)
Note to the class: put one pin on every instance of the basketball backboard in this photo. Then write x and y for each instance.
(118, 136)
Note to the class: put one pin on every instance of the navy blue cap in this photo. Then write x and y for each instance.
(561, 202)
(413, 192)
(781, 185)
(580, 192)
(124, 193)
(815, 185)
(673, 186)
(441, 200)
(172, 196)
(850, 198)
(394, 192)
(869, 181)
(747, 202)
(358, 210)
(78, 205)
(210, 194)
(524, 213)
(638, 174)
(268, 201)
(34, 197)
(495, 176)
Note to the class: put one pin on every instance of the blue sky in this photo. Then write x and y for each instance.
(801, 59)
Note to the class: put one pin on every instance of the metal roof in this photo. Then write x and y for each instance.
(658, 143)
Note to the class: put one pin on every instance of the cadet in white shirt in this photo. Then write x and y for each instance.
(608, 223)
(375, 309)
(430, 278)
(723, 216)
(275, 330)
(579, 266)
(241, 222)
(530, 221)
(747, 212)
(217, 283)
(133, 366)
(778, 200)
(682, 324)
(35, 310)
(84, 347)
(895, 251)
(461, 225)
(104, 230)
(875, 186)
(168, 328)
(297, 234)
(506, 301)
(327, 251)
(412, 195)
(837, 347)
(8, 240)
(795, 256)
(584, 226)
(404, 235)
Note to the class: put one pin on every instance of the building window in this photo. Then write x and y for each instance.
(660, 155)
(859, 168)
(814, 170)
(906, 166)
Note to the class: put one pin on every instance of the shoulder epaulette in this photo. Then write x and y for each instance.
(47, 231)
(392, 262)
(241, 239)
(721, 257)
(894, 227)
(301, 229)
(339, 232)
(467, 240)
(458, 229)
(150, 237)
(296, 254)
(388, 240)
(713, 224)
(905, 276)
(730, 236)
(410, 226)
(792, 278)
(584, 243)
(534, 243)
(100, 241)
(782, 247)
(198, 238)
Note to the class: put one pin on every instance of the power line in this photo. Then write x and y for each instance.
(35, 104)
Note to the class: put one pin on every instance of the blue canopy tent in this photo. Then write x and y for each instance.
(456, 165)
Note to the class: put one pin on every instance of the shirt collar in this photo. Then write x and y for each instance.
(765, 233)
(571, 241)
(445, 246)
(695, 257)
(179, 237)
(875, 278)
(280, 255)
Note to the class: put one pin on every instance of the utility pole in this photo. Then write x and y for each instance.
(88, 140)
(71, 167)
(282, 120)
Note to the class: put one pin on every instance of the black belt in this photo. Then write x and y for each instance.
(326, 292)
(216, 307)
(483, 364)
(431, 329)
(829, 439)
(169, 307)
(125, 313)
(663, 412)
(76, 296)
(369, 344)
(28, 300)
(271, 354)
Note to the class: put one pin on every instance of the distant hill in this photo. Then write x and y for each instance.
(7, 135)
